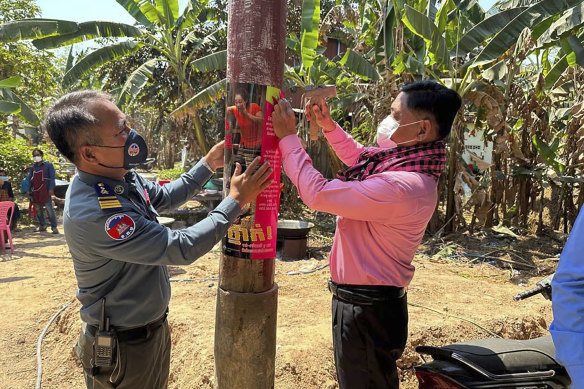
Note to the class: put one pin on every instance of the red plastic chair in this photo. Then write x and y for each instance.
(5, 221)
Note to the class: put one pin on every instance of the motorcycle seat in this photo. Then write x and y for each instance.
(501, 356)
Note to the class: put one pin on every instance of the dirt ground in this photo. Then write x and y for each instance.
(452, 298)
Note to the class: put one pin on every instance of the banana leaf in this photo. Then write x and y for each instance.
(357, 64)
(35, 28)
(310, 28)
(142, 10)
(422, 26)
(10, 82)
(205, 97)
(98, 58)
(87, 31)
(527, 19)
(215, 61)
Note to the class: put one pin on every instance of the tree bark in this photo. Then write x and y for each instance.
(245, 324)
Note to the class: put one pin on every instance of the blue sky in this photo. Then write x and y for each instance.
(85, 10)
(110, 10)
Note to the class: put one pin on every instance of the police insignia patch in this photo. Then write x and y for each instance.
(107, 198)
(120, 226)
(133, 150)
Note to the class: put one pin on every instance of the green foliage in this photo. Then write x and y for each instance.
(15, 156)
(35, 68)
(18, 9)
(170, 174)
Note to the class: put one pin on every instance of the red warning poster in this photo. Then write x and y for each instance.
(248, 134)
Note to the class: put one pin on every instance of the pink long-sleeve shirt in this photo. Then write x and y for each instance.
(380, 220)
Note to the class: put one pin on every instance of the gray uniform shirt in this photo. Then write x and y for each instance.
(120, 251)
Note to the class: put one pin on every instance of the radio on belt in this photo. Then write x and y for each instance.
(105, 341)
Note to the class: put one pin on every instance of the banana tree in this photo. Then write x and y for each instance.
(347, 70)
(460, 47)
(159, 27)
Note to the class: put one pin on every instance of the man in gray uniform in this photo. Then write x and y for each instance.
(119, 250)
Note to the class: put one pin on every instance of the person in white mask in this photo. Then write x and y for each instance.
(42, 178)
(384, 200)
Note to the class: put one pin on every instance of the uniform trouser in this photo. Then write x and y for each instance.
(141, 363)
(368, 340)
(41, 215)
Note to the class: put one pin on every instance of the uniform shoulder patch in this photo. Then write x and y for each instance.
(120, 226)
(108, 201)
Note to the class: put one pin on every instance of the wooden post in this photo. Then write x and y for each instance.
(245, 324)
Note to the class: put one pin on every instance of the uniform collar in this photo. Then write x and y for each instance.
(119, 187)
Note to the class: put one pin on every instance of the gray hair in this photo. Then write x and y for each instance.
(70, 124)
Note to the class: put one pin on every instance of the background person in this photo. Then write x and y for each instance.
(42, 186)
(7, 194)
(249, 121)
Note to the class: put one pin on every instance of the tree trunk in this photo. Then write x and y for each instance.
(456, 135)
(245, 324)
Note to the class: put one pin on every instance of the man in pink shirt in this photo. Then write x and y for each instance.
(384, 200)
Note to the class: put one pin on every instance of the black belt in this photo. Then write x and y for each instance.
(130, 334)
(365, 294)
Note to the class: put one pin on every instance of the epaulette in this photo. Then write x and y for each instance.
(106, 197)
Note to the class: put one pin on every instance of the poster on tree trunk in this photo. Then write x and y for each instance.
(248, 134)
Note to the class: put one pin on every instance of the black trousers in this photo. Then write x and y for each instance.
(368, 339)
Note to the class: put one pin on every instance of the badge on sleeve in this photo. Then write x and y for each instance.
(120, 226)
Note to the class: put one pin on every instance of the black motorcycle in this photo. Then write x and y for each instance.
(495, 363)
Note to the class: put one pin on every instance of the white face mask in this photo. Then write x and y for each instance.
(386, 129)
(37, 158)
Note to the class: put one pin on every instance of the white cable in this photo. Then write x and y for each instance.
(40, 341)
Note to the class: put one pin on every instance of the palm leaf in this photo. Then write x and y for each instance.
(87, 31)
(215, 61)
(34, 28)
(142, 10)
(357, 64)
(527, 19)
(204, 98)
(98, 58)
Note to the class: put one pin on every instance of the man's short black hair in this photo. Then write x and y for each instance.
(38, 151)
(70, 123)
(436, 99)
